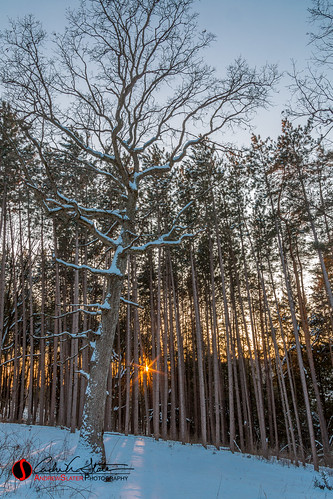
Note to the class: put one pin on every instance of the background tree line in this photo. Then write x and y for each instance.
(224, 340)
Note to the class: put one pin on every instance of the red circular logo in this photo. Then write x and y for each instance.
(22, 469)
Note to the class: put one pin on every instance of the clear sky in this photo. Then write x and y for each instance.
(273, 31)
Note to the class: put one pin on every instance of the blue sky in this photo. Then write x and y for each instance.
(273, 31)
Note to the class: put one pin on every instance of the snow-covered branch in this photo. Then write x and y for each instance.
(94, 212)
(73, 212)
(93, 270)
(151, 171)
(112, 270)
(132, 303)
(83, 373)
(88, 312)
(97, 154)
(56, 335)
(163, 241)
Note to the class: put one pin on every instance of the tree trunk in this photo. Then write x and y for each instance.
(299, 354)
(91, 435)
(180, 363)
(3, 267)
(215, 356)
(198, 330)
(42, 333)
(136, 327)
(128, 354)
(75, 342)
(24, 325)
(232, 429)
(305, 327)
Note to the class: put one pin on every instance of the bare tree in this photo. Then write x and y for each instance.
(313, 87)
(124, 75)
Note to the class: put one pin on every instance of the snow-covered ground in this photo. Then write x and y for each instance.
(161, 470)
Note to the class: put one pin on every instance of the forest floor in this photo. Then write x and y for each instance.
(146, 469)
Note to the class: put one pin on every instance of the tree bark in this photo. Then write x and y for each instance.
(198, 330)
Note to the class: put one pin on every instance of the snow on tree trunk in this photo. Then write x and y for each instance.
(91, 434)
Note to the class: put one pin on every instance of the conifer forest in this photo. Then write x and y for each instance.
(154, 279)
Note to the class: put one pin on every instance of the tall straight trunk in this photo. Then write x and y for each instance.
(258, 353)
(42, 333)
(128, 355)
(322, 202)
(276, 433)
(153, 330)
(292, 389)
(215, 355)
(262, 286)
(193, 404)
(173, 426)
(108, 419)
(119, 376)
(232, 429)
(75, 341)
(305, 327)
(3, 267)
(270, 387)
(69, 379)
(243, 385)
(24, 323)
(296, 335)
(165, 362)
(329, 237)
(85, 342)
(3, 210)
(14, 397)
(3, 225)
(146, 429)
(180, 361)
(208, 368)
(35, 400)
(57, 309)
(156, 372)
(198, 331)
(136, 333)
(267, 374)
(61, 325)
(254, 365)
(31, 324)
(272, 410)
(301, 367)
(236, 384)
(319, 251)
